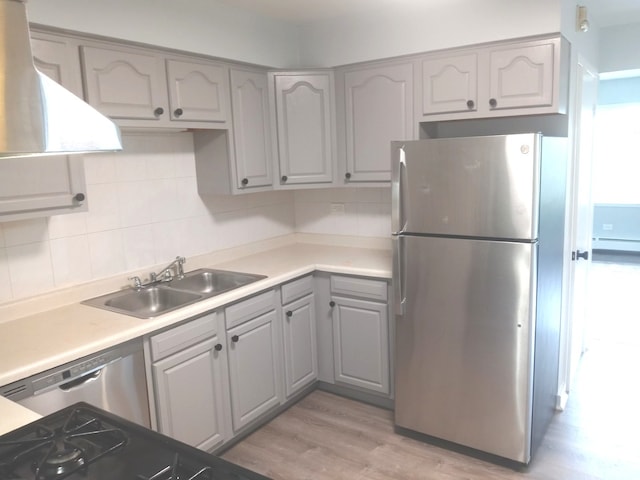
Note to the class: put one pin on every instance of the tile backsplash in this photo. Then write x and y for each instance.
(144, 209)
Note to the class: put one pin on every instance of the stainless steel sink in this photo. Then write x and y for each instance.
(154, 300)
(209, 283)
(144, 303)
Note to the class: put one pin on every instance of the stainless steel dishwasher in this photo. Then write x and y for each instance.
(113, 380)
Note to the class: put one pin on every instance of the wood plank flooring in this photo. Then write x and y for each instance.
(325, 436)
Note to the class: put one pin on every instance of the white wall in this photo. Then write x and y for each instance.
(201, 26)
(144, 210)
(619, 48)
(423, 26)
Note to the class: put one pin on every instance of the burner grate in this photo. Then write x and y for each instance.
(177, 471)
(55, 453)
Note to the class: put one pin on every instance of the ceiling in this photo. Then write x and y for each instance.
(604, 13)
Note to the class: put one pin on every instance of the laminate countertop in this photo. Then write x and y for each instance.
(40, 341)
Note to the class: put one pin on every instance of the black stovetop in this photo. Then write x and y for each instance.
(84, 442)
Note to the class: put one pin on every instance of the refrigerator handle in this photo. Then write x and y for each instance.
(398, 270)
(397, 210)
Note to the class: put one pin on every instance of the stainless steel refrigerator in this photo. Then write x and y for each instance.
(478, 235)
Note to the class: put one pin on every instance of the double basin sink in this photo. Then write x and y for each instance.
(166, 296)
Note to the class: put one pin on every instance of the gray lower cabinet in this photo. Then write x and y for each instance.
(190, 383)
(360, 320)
(299, 334)
(255, 362)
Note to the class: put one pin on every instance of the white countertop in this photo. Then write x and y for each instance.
(44, 340)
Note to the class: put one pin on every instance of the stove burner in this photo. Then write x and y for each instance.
(60, 461)
(56, 453)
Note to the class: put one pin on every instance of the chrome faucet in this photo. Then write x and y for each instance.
(164, 275)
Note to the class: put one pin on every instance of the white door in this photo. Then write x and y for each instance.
(581, 211)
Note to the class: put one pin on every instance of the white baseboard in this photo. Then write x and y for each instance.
(561, 401)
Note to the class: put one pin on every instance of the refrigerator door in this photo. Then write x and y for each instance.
(476, 186)
(464, 345)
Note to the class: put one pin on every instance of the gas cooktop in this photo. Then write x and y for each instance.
(84, 442)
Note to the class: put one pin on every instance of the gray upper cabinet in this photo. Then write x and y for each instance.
(304, 119)
(378, 108)
(520, 78)
(191, 382)
(139, 87)
(45, 186)
(197, 91)
(251, 129)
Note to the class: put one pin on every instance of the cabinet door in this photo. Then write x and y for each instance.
(254, 369)
(59, 60)
(450, 84)
(125, 84)
(189, 389)
(300, 351)
(44, 186)
(197, 92)
(305, 127)
(251, 128)
(379, 109)
(521, 76)
(361, 343)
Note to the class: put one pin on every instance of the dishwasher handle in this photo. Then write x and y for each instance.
(78, 382)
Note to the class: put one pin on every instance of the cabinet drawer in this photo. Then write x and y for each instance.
(296, 289)
(251, 308)
(178, 338)
(359, 287)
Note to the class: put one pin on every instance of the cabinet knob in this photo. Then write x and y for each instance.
(158, 111)
(178, 112)
(79, 197)
(289, 313)
(245, 181)
(493, 102)
(235, 339)
(218, 347)
(284, 178)
(347, 175)
(332, 304)
(470, 104)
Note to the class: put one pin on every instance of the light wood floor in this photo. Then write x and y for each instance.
(597, 437)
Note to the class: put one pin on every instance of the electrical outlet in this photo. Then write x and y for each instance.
(337, 209)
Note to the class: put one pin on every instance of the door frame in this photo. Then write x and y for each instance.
(568, 333)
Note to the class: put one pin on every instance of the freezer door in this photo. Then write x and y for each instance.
(464, 344)
(476, 186)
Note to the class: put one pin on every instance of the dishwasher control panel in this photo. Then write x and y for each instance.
(76, 370)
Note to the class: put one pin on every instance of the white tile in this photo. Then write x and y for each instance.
(6, 292)
(225, 203)
(138, 243)
(161, 165)
(184, 156)
(368, 195)
(1, 236)
(131, 163)
(386, 195)
(100, 168)
(69, 225)
(134, 203)
(22, 232)
(231, 229)
(71, 260)
(313, 218)
(30, 269)
(189, 202)
(163, 200)
(104, 210)
(197, 236)
(106, 250)
(166, 239)
(344, 224)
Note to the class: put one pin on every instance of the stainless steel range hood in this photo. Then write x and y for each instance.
(38, 116)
